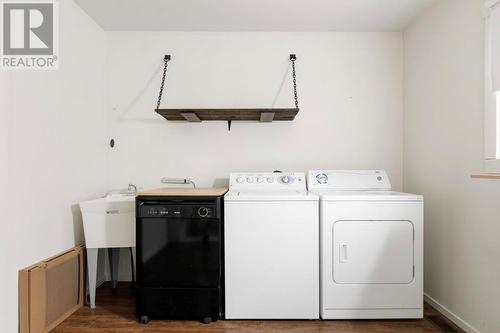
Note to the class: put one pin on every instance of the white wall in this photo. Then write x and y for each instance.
(443, 147)
(350, 92)
(56, 151)
(4, 135)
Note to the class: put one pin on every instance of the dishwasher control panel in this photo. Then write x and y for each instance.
(177, 211)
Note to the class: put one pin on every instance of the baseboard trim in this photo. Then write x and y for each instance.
(450, 315)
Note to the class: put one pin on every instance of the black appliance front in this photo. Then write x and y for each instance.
(179, 258)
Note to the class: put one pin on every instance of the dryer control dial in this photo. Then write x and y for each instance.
(322, 178)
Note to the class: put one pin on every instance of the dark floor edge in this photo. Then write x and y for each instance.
(458, 324)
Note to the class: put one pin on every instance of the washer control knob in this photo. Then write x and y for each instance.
(203, 211)
(249, 180)
(260, 180)
(322, 178)
(285, 179)
(270, 179)
(240, 180)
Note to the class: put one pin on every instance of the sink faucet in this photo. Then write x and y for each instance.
(132, 188)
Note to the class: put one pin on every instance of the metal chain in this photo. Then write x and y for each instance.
(294, 76)
(166, 60)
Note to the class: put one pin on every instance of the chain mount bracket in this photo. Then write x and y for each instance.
(166, 59)
(293, 58)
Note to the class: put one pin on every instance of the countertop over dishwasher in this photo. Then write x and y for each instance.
(172, 191)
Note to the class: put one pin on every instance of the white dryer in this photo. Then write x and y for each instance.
(271, 231)
(371, 246)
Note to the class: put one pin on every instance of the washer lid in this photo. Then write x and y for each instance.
(335, 195)
(253, 195)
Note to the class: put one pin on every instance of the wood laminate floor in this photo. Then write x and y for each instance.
(115, 314)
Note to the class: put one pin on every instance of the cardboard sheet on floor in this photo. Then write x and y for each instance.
(50, 291)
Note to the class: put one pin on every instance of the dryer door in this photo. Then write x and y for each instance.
(373, 252)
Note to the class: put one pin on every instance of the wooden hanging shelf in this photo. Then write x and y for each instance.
(198, 115)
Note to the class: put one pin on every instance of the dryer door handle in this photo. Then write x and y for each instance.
(343, 253)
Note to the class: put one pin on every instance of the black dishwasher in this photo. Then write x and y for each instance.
(179, 258)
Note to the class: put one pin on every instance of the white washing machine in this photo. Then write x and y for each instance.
(371, 246)
(271, 231)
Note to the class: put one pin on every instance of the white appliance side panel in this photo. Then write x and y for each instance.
(368, 252)
(271, 260)
(336, 296)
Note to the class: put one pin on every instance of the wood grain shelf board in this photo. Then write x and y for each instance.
(229, 114)
(486, 176)
(191, 117)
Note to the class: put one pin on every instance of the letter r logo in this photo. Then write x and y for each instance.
(28, 28)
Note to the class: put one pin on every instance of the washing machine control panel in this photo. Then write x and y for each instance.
(348, 180)
(268, 180)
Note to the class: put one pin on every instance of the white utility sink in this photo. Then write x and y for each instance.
(108, 223)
